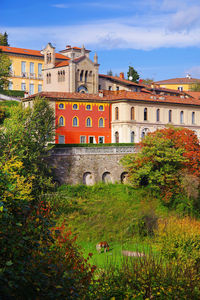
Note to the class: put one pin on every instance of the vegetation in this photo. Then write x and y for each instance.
(195, 87)
(133, 75)
(5, 108)
(169, 159)
(4, 39)
(93, 145)
(5, 64)
(14, 93)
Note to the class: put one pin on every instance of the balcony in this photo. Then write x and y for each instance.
(32, 75)
(24, 74)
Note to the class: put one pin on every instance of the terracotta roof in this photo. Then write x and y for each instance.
(68, 47)
(61, 64)
(118, 79)
(195, 95)
(29, 52)
(121, 95)
(184, 80)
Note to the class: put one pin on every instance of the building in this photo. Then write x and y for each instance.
(26, 68)
(181, 84)
(96, 108)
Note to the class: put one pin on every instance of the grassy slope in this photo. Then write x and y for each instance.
(104, 212)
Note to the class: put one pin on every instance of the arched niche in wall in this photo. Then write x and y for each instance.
(106, 177)
(124, 177)
(88, 178)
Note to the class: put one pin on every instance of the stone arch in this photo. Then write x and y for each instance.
(88, 178)
(106, 177)
(123, 177)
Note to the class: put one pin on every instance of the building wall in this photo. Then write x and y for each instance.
(124, 125)
(185, 87)
(72, 133)
(28, 78)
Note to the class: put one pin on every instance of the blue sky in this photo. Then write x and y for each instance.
(159, 38)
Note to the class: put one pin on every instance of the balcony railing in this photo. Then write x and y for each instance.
(26, 75)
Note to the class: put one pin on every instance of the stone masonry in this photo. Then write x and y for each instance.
(76, 165)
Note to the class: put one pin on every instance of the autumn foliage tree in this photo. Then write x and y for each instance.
(165, 158)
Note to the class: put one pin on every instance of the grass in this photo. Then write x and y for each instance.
(105, 212)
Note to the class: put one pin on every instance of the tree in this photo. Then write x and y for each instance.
(147, 81)
(4, 39)
(133, 75)
(195, 87)
(110, 73)
(5, 64)
(165, 157)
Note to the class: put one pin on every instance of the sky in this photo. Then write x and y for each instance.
(159, 38)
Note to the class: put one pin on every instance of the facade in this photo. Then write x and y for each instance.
(26, 69)
(95, 108)
(181, 84)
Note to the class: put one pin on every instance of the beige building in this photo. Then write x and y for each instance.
(136, 114)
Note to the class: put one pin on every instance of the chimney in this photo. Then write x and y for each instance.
(188, 76)
(68, 46)
(121, 75)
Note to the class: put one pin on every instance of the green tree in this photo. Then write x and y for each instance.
(147, 81)
(26, 134)
(165, 157)
(4, 39)
(133, 75)
(195, 87)
(5, 64)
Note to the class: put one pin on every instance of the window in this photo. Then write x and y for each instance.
(39, 70)
(99, 87)
(180, 88)
(158, 115)
(116, 113)
(23, 68)
(110, 88)
(101, 139)
(48, 78)
(88, 107)
(48, 57)
(91, 139)
(81, 76)
(144, 132)
(132, 113)
(145, 114)
(61, 106)
(61, 139)
(132, 136)
(82, 139)
(10, 85)
(88, 122)
(101, 107)
(117, 88)
(61, 121)
(116, 137)
(170, 116)
(75, 107)
(75, 122)
(39, 88)
(181, 117)
(23, 86)
(31, 68)
(86, 74)
(193, 117)
(31, 88)
(101, 122)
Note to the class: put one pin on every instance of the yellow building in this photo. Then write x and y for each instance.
(26, 68)
(181, 84)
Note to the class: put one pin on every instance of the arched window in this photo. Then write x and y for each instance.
(89, 122)
(116, 137)
(170, 116)
(158, 115)
(61, 106)
(181, 117)
(75, 106)
(86, 74)
(48, 57)
(81, 75)
(101, 122)
(144, 132)
(63, 76)
(88, 107)
(116, 113)
(75, 122)
(61, 121)
(132, 113)
(132, 136)
(145, 114)
(193, 117)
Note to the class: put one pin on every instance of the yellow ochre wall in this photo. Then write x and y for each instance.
(17, 78)
(186, 87)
